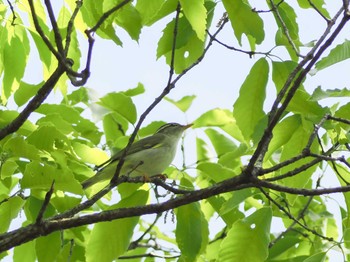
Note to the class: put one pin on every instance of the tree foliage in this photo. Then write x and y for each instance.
(275, 151)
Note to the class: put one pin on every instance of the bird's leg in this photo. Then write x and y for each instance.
(160, 176)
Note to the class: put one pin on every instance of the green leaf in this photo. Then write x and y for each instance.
(196, 14)
(245, 21)
(320, 94)
(318, 257)
(129, 18)
(153, 10)
(188, 46)
(21, 148)
(90, 155)
(8, 116)
(248, 108)
(338, 54)
(80, 95)
(237, 198)
(215, 171)
(284, 245)
(281, 72)
(8, 211)
(48, 247)
(8, 168)
(292, 148)
(114, 127)
(25, 252)
(289, 18)
(221, 143)
(282, 133)
(46, 138)
(248, 239)
(139, 89)
(114, 237)
(40, 176)
(15, 55)
(25, 92)
(121, 104)
(318, 3)
(183, 104)
(301, 103)
(189, 231)
(189, 228)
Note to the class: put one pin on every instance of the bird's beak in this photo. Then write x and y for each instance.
(187, 126)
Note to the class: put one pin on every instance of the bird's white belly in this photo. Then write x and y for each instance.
(151, 166)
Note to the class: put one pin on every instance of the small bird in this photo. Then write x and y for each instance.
(147, 157)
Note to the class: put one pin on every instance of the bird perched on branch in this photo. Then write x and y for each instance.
(147, 157)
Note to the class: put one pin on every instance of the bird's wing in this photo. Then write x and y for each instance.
(145, 143)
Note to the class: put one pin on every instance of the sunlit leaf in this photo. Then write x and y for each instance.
(338, 54)
(183, 104)
(196, 14)
(248, 108)
(121, 104)
(248, 239)
(103, 238)
(244, 21)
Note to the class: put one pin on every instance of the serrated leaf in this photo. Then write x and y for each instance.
(248, 239)
(320, 94)
(183, 104)
(80, 95)
(248, 108)
(196, 14)
(121, 104)
(46, 137)
(338, 54)
(244, 21)
(40, 176)
(188, 46)
(114, 237)
(21, 148)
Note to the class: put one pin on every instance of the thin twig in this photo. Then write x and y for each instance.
(14, 17)
(285, 29)
(134, 244)
(107, 14)
(45, 204)
(319, 11)
(70, 24)
(56, 31)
